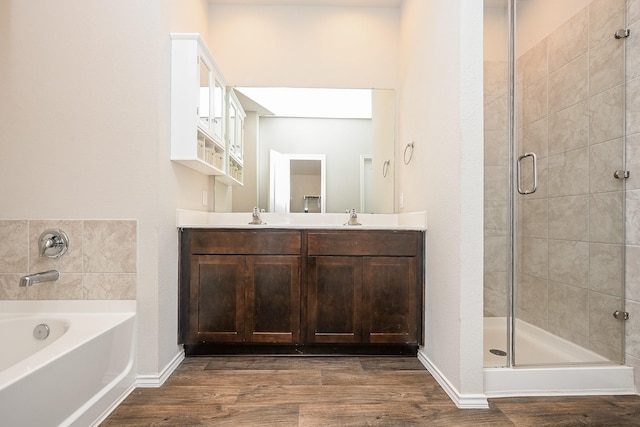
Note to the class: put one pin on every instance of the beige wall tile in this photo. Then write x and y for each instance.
(535, 138)
(605, 269)
(632, 46)
(606, 65)
(535, 221)
(605, 328)
(495, 254)
(496, 114)
(534, 102)
(110, 247)
(71, 261)
(534, 64)
(633, 14)
(569, 41)
(109, 286)
(569, 217)
(496, 148)
(569, 128)
(533, 297)
(14, 249)
(633, 107)
(9, 289)
(569, 173)
(527, 179)
(632, 328)
(569, 84)
(68, 286)
(606, 116)
(632, 280)
(605, 17)
(569, 262)
(496, 220)
(535, 257)
(496, 77)
(604, 159)
(633, 162)
(567, 309)
(496, 182)
(633, 217)
(606, 217)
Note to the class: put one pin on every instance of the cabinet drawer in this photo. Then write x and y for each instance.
(245, 242)
(364, 243)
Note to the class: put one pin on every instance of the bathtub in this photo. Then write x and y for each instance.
(565, 368)
(77, 374)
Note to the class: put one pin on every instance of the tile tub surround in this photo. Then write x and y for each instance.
(99, 265)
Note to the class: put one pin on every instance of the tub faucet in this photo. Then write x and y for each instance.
(255, 217)
(353, 218)
(45, 276)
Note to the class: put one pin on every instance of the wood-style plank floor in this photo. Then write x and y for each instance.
(341, 391)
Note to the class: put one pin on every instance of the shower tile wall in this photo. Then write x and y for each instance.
(99, 265)
(571, 233)
(632, 232)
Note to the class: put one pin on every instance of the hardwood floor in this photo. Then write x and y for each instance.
(341, 391)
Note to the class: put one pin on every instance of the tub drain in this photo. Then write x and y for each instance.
(498, 352)
(41, 331)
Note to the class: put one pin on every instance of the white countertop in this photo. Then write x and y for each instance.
(202, 219)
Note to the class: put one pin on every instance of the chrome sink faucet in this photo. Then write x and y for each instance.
(45, 276)
(353, 218)
(255, 217)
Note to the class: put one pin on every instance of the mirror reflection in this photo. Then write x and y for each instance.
(318, 150)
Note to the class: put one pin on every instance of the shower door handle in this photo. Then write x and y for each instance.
(535, 173)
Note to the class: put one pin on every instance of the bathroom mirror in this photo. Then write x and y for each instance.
(353, 131)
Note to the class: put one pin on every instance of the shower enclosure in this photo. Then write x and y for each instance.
(554, 182)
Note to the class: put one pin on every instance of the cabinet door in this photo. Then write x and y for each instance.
(217, 299)
(273, 299)
(334, 300)
(390, 300)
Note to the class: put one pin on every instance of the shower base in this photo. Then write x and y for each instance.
(594, 375)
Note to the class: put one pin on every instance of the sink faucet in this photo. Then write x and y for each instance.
(45, 276)
(353, 218)
(255, 217)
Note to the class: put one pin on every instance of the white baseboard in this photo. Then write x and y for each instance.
(462, 401)
(149, 381)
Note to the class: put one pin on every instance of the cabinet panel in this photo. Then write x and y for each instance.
(390, 300)
(334, 300)
(217, 299)
(246, 242)
(363, 243)
(273, 299)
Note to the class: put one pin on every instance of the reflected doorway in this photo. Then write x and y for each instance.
(297, 183)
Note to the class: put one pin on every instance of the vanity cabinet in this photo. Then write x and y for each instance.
(244, 290)
(364, 287)
(198, 106)
(240, 286)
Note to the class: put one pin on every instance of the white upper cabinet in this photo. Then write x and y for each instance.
(198, 107)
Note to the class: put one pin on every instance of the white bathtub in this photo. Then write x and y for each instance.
(569, 370)
(77, 375)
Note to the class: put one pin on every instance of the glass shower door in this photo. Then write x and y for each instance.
(568, 182)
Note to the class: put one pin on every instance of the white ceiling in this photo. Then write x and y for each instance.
(359, 3)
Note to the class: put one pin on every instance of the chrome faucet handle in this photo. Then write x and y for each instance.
(53, 243)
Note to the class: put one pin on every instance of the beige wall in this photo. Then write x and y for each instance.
(440, 109)
(302, 46)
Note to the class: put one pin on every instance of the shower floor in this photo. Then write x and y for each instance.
(534, 346)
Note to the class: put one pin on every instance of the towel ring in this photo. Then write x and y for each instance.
(385, 168)
(409, 146)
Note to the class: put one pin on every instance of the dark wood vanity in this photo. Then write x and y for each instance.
(316, 291)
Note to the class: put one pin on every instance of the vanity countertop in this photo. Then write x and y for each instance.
(202, 219)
